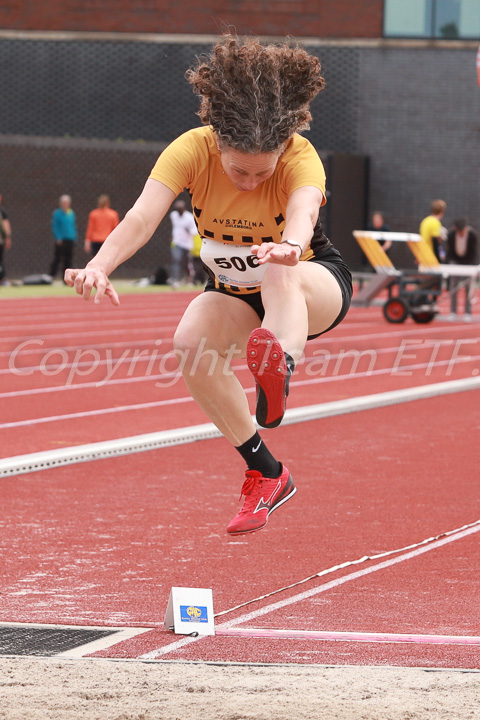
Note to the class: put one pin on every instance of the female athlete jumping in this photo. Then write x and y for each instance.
(275, 280)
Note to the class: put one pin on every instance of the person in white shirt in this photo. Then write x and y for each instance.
(183, 232)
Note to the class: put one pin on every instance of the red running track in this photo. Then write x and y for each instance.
(72, 373)
(102, 543)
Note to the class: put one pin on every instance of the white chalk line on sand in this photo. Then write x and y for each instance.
(300, 597)
(33, 462)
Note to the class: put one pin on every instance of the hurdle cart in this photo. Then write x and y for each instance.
(409, 292)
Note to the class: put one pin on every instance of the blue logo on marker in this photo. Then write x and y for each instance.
(193, 613)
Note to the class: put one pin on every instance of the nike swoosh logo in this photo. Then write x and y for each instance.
(268, 503)
(255, 449)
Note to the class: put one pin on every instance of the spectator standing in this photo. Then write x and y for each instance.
(5, 237)
(462, 242)
(101, 222)
(432, 231)
(184, 230)
(197, 264)
(378, 224)
(64, 226)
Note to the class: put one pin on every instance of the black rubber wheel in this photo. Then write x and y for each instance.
(424, 316)
(395, 310)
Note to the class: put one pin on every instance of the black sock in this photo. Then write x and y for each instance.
(258, 457)
(290, 368)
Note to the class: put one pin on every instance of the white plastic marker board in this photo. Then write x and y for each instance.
(190, 610)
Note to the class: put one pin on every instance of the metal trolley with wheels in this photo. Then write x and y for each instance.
(412, 295)
(410, 292)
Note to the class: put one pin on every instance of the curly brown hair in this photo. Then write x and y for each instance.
(256, 96)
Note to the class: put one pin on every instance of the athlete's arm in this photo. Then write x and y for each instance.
(130, 235)
(301, 216)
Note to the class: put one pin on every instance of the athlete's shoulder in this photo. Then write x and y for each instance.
(184, 159)
(299, 145)
(299, 152)
(200, 138)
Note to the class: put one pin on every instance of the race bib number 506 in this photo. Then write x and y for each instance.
(232, 264)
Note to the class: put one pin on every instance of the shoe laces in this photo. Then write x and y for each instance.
(252, 488)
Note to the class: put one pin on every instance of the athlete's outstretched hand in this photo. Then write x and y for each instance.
(282, 254)
(84, 281)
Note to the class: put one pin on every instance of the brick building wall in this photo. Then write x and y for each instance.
(299, 18)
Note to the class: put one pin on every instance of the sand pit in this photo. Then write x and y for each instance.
(53, 689)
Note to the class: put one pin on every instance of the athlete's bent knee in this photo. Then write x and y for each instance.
(278, 277)
(194, 352)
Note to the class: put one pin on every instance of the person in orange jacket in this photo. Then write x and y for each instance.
(101, 222)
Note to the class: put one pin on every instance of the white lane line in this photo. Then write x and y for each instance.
(103, 643)
(349, 636)
(407, 369)
(152, 331)
(334, 337)
(154, 312)
(42, 328)
(139, 358)
(95, 413)
(39, 347)
(174, 376)
(300, 597)
(179, 436)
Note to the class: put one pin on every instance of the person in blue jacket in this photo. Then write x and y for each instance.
(64, 226)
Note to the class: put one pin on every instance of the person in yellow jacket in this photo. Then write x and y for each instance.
(432, 231)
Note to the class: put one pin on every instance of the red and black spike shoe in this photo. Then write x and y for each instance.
(266, 362)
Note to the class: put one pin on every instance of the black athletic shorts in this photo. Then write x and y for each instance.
(331, 259)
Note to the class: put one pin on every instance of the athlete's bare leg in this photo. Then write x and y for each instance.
(213, 332)
(299, 301)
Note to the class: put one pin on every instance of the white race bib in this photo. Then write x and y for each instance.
(232, 264)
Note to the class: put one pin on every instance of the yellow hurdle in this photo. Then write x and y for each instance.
(423, 254)
(376, 255)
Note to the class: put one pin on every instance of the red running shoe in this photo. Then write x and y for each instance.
(262, 497)
(266, 362)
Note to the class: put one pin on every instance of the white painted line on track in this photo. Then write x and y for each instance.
(348, 636)
(95, 413)
(179, 436)
(401, 370)
(105, 314)
(300, 597)
(408, 369)
(41, 328)
(38, 348)
(334, 336)
(152, 331)
(103, 643)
